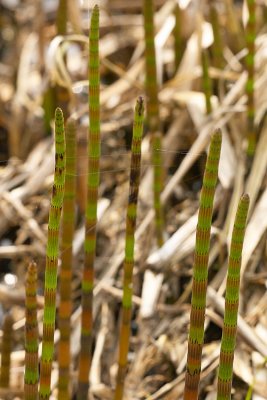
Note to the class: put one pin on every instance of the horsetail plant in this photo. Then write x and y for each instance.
(91, 208)
(68, 222)
(250, 62)
(217, 47)
(177, 36)
(200, 270)
(153, 119)
(62, 15)
(31, 376)
(231, 302)
(6, 351)
(207, 84)
(129, 247)
(52, 258)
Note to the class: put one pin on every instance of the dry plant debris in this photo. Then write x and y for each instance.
(42, 67)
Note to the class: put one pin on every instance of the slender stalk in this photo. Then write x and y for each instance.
(129, 247)
(62, 15)
(52, 258)
(153, 119)
(234, 27)
(200, 271)
(231, 302)
(178, 47)
(91, 209)
(31, 376)
(207, 84)
(217, 47)
(6, 351)
(250, 63)
(68, 222)
(62, 93)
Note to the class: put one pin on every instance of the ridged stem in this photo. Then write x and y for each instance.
(250, 62)
(231, 302)
(62, 15)
(178, 51)
(153, 119)
(6, 351)
(129, 247)
(68, 225)
(200, 271)
(52, 258)
(207, 84)
(91, 208)
(217, 47)
(31, 376)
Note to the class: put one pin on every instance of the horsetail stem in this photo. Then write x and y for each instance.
(207, 84)
(200, 271)
(31, 376)
(52, 258)
(65, 305)
(217, 47)
(153, 119)
(233, 26)
(231, 302)
(62, 15)
(91, 208)
(177, 36)
(250, 62)
(6, 351)
(129, 247)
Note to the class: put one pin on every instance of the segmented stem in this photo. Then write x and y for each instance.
(250, 62)
(217, 47)
(200, 271)
(178, 51)
(231, 302)
(153, 119)
(31, 376)
(207, 84)
(68, 222)
(234, 27)
(52, 258)
(129, 247)
(91, 208)
(62, 14)
(6, 351)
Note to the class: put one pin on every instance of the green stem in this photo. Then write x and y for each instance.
(200, 271)
(52, 258)
(153, 115)
(178, 48)
(231, 302)
(68, 222)
(31, 376)
(91, 209)
(6, 351)
(250, 63)
(129, 247)
(62, 15)
(207, 84)
(217, 47)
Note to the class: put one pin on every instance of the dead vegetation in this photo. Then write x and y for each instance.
(32, 59)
